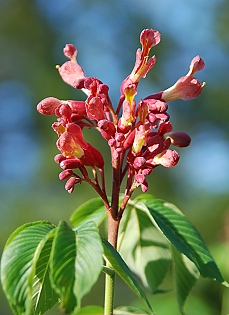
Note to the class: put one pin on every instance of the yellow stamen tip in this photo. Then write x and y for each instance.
(57, 66)
(203, 84)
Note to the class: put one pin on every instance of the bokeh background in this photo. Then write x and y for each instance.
(106, 34)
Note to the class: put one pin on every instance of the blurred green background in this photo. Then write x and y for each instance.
(106, 34)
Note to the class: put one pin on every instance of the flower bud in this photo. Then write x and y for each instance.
(59, 158)
(48, 106)
(165, 127)
(70, 184)
(70, 163)
(65, 174)
(64, 111)
(169, 158)
(155, 105)
(107, 128)
(179, 139)
(139, 162)
(129, 140)
(141, 181)
(99, 161)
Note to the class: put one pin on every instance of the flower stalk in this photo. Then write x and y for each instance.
(109, 291)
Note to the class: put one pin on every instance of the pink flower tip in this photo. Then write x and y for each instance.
(169, 158)
(48, 106)
(197, 64)
(70, 52)
(150, 38)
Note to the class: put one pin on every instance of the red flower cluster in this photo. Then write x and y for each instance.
(139, 135)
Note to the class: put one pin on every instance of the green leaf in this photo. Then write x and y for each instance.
(121, 268)
(62, 265)
(76, 263)
(92, 210)
(183, 235)
(186, 275)
(128, 310)
(17, 264)
(44, 296)
(144, 248)
(89, 260)
(90, 310)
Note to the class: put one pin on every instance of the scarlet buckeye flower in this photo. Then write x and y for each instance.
(140, 135)
(71, 72)
(143, 63)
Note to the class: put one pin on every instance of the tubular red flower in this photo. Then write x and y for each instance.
(94, 108)
(148, 39)
(143, 64)
(70, 71)
(48, 106)
(185, 88)
(67, 144)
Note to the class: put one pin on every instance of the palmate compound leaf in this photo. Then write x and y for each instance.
(120, 267)
(18, 264)
(76, 262)
(144, 248)
(183, 235)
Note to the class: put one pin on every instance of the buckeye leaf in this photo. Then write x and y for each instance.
(17, 264)
(44, 296)
(76, 263)
(92, 210)
(120, 267)
(145, 249)
(183, 235)
(186, 275)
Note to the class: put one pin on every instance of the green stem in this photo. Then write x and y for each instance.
(109, 290)
(113, 226)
